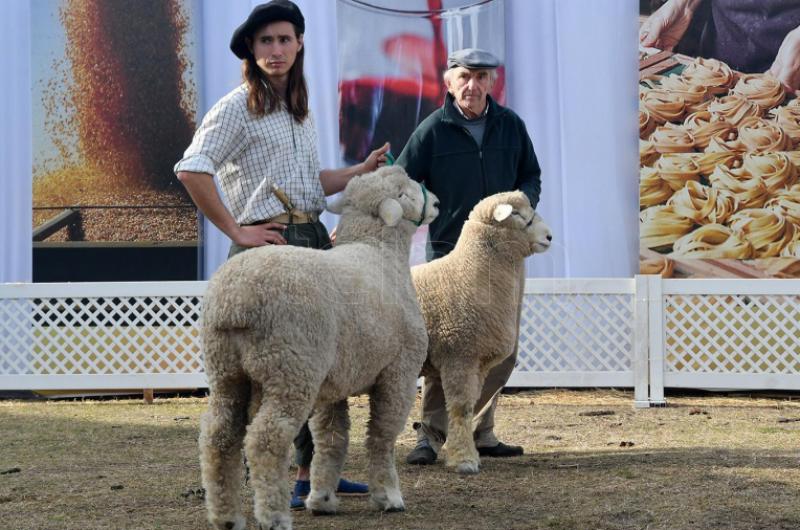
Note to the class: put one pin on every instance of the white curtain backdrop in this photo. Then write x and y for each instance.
(15, 142)
(576, 95)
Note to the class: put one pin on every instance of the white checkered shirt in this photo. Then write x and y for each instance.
(249, 153)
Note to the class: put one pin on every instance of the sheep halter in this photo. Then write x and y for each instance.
(424, 204)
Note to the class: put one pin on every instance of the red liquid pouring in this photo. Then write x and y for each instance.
(374, 110)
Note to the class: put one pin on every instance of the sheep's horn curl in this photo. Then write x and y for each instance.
(502, 211)
(390, 211)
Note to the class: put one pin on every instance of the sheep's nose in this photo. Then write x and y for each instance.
(549, 237)
(436, 203)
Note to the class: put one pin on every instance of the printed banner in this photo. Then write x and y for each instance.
(718, 192)
(114, 106)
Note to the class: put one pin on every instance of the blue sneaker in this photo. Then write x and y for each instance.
(345, 489)
(300, 492)
(351, 489)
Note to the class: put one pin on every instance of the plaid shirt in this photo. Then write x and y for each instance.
(249, 153)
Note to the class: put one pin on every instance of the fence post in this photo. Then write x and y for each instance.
(656, 339)
(641, 367)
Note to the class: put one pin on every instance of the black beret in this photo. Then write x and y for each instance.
(472, 58)
(274, 11)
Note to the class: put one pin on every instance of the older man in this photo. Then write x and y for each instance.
(466, 150)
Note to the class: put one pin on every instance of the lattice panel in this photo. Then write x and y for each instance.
(100, 335)
(753, 334)
(576, 333)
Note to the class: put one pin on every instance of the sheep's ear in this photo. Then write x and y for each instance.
(337, 205)
(390, 211)
(502, 211)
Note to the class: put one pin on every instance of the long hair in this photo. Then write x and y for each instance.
(263, 100)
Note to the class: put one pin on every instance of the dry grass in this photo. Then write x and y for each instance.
(702, 462)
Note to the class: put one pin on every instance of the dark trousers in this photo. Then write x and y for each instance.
(309, 235)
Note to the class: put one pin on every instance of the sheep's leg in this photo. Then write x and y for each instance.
(267, 445)
(330, 428)
(390, 403)
(462, 387)
(222, 429)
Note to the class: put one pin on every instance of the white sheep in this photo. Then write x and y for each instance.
(471, 300)
(300, 329)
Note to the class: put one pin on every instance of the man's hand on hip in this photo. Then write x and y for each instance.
(260, 235)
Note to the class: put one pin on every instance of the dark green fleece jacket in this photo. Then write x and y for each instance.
(443, 155)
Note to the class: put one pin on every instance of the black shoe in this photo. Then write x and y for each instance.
(422, 455)
(501, 450)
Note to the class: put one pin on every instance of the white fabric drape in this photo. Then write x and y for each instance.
(576, 95)
(572, 69)
(15, 142)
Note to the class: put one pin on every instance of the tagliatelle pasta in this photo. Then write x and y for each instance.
(774, 169)
(713, 241)
(653, 189)
(704, 126)
(695, 96)
(647, 124)
(788, 119)
(750, 191)
(672, 138)
(647, 153)
(718, 144)
(715, 75)
(787, 203)
(713, 126)
(734, 108)
(762, 136)
(708, 161)
(794, 158)
(766, 230)
(660, 226)
(762, 89)
(792, 250)
(677, 168)
(664, 106)
(703, 204)
(663, 266)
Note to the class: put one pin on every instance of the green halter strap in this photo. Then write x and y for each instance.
(424, 204)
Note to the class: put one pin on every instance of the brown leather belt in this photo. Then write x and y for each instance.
(297, 218)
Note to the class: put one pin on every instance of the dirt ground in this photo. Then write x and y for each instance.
(705, 461)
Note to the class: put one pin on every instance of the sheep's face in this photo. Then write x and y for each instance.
(389, 194)
(417, 204)
(512, 211)
(541, 235)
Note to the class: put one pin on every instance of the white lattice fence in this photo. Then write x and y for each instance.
(646, 332)
(92, 336)
(735, 334)
(100, 336)
(576, 333)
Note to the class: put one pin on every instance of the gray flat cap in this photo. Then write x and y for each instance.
(472, 58)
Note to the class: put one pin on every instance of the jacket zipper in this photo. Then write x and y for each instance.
(480, 156)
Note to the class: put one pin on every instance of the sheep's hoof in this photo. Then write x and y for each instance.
(278, 521)
(467, 468)
(236, 522)
(322, 503)
(389, 501)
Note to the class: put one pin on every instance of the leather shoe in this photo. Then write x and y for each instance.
(501, 450)
(422, 455)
